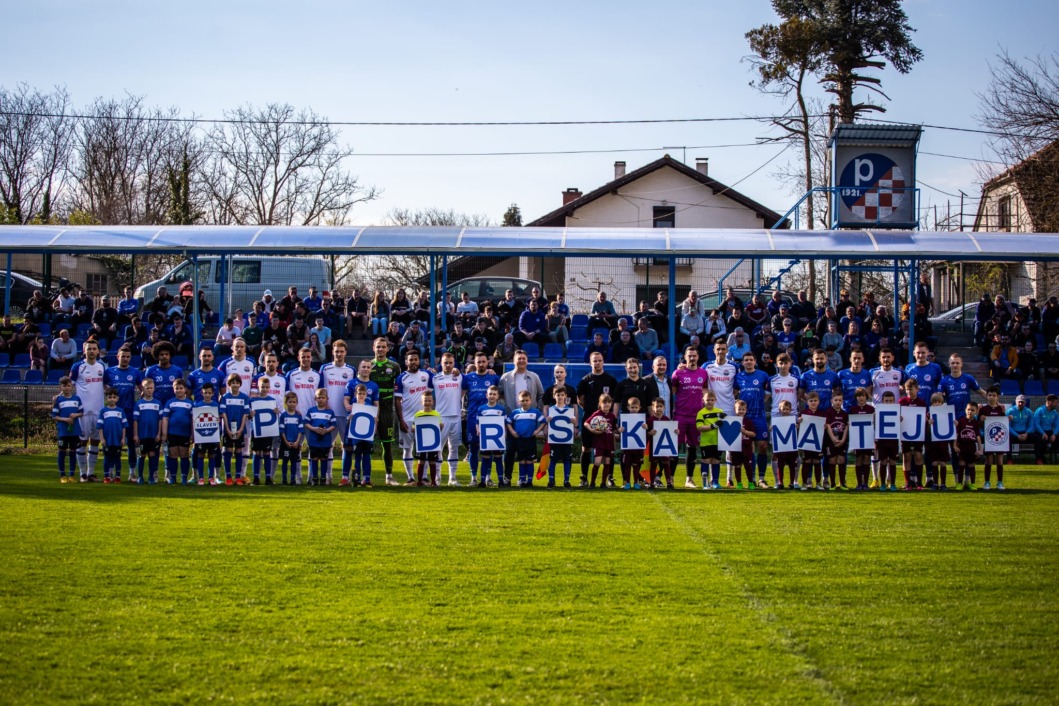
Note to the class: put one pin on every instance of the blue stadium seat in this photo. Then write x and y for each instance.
(605, 332)
(62, 325)
(533, 351)
(1034, 388)
(5, 360)
(579, 320)
(22, 360)
(1053, 387)
(575, 350)
(33, 377)
(12, 376)
(45, 330)
(54, 376)
(1009, 388)
(578, 333)
(83, 330)
(553, 351)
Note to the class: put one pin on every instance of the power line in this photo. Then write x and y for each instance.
(549, 152)
(995, 133)
(969, 159)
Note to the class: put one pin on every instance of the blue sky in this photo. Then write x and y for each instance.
(465, 61)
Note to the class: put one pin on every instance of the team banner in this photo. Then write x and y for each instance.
(943, 423)
(561, 426)
(997, 435)
(491, 434)
(664, 440)
(811, 434)
(428, 434)
(362, 422)
(861, 432)
(206, 424)
(633, 432)
(913, 424)
(887, 422)
(730, 434)
(265, 423)
(784, 434)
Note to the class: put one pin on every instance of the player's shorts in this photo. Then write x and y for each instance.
(687, 433)
(709, 451)
(148, 446)
(235, 442)
(739, 458)
(561, 452)
(69, 443)
(290, 453)
(786, 458)
(832, 450)
(452, 434)
(760, 426)
(912, 447)
(939, 450)
(384, 426)
(886, 448)
(319, 453)
(261, 444)
(524, 448)
(178, 441)
(88, 427)
(429, 457)
(968, 452)
(605, 454)
(207, 449)
(363, 447)
(811, 456)
(632, 458)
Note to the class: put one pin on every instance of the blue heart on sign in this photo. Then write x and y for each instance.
(730, 431)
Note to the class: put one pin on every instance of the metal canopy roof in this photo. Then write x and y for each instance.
(596, 242)
(876, 135)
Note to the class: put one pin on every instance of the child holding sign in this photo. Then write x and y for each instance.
(836, 441)
(887, 450)
(362, 448)
(320, 423)
(811, 459)
(261, 446)
(785, 459)
(745, 456)
(524, 425)
(427, 459)
(176, 432)
(561, 450)
(66, 412)
(487, 456)
(631, 459)
(235, 408)
(939, 451)
(706, 422)
(967, 447)
(913, 450)
(992, 409)
(207, 456)
(659, 463)
(290, 439)
(862, 457)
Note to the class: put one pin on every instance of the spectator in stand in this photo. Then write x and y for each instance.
(1050, 362)
(691, 324)
(624, 348)
(647, 339)
(135, 333)
(63, 306)
(39, 353)
(393, 338)
(447, 312)
(10, 337)
(714, 329)
(602, 314)
(535, 294)
(292, 298)
(63, 351)
(695, 343)
(38, 309)
(1045, 427)
(614, 335)
(160, 304)
(925, 294)
(508, 311)
(482, 330)
(380, 314)
(505, 352)
(661, 307)
(562, 308)
(1004, 360)
(467, 310)
(738, 344)
(832, 337)
(204, 308)
(413, 339)
(924, 330)
(105, 324)
(180, 336)
(268, 303)
(645, 313)
(1050, 319)
(598, 345)
(225, 335)
(421, 309)
(1031, 314)
(756, 312)
(844, 302)
(787, 341)
(83, 309)
(532, 326)
(1029, 362)
(784, 313)
(851, 339)
(882, 315)
(983, 314)
(334, 319)
(297, 336)
(850, 316)
(828, 317)
(314, 301)
(731, 303)
(491, 322)
(557, 326)
(322, 332)
(253, 335)
(775, 305)
(867, 306)
(460, 335)
(737, 320)
(401, 308)
(128, 306)
(804, 311)
(693, 302)
(316, 346)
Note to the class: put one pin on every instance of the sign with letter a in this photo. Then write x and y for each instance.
(664, 441)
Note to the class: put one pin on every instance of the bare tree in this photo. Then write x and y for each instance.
(1022, 104)
(277, 166)
(35, 142)
(434, 216)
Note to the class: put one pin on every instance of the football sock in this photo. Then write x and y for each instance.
(82, 461)
(170, 468)
(387, 456)
(567, 463)
(268, 468)
(185, 468)
(407, 460)
(257, 467)
(551, 469)
(453, 463)
(93, 454)
(347, 463)
(690, 463)
(152, 467)
(472, 459)
(1000, 472)
(988, 472)
(62, 463)
(227, 464)
(132, 459)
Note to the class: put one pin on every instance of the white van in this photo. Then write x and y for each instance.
(246, 281)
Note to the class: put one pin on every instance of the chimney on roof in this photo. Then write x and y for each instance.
(571, 194)
(619, 170)
(702, 164)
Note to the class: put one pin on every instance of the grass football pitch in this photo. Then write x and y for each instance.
(116, 594)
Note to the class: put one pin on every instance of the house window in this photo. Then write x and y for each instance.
(1003, 213)
(96, 282)
(665, 217)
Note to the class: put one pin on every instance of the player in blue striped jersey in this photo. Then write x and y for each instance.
(752, 387)
(852, 378)
(477, 384)
(176, 433)
(147, 431)
(113, 425)
(126, 380)
(67, 411)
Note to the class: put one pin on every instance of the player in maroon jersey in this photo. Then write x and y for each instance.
(992, 408)
(836, 441)
(967, 446)
(861, 457)
(811, 459)
(939, 450)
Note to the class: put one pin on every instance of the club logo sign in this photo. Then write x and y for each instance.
(872, 187)
(997, 433)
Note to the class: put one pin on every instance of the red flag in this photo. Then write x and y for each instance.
(542, 469)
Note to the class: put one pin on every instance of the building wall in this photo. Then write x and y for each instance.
(1025, 279)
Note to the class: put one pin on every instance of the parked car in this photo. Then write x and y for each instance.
(250, 277)
(491, 289)
(953, 319)
(22, 288)
(710, 298)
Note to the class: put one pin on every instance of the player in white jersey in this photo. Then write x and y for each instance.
(886, 378)
(87, 375)
(277, 388)
(721, 376)
(245, 368)
(783, 385)
(303, 381)
(407, 394)
(334, 377)
(448, 401)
